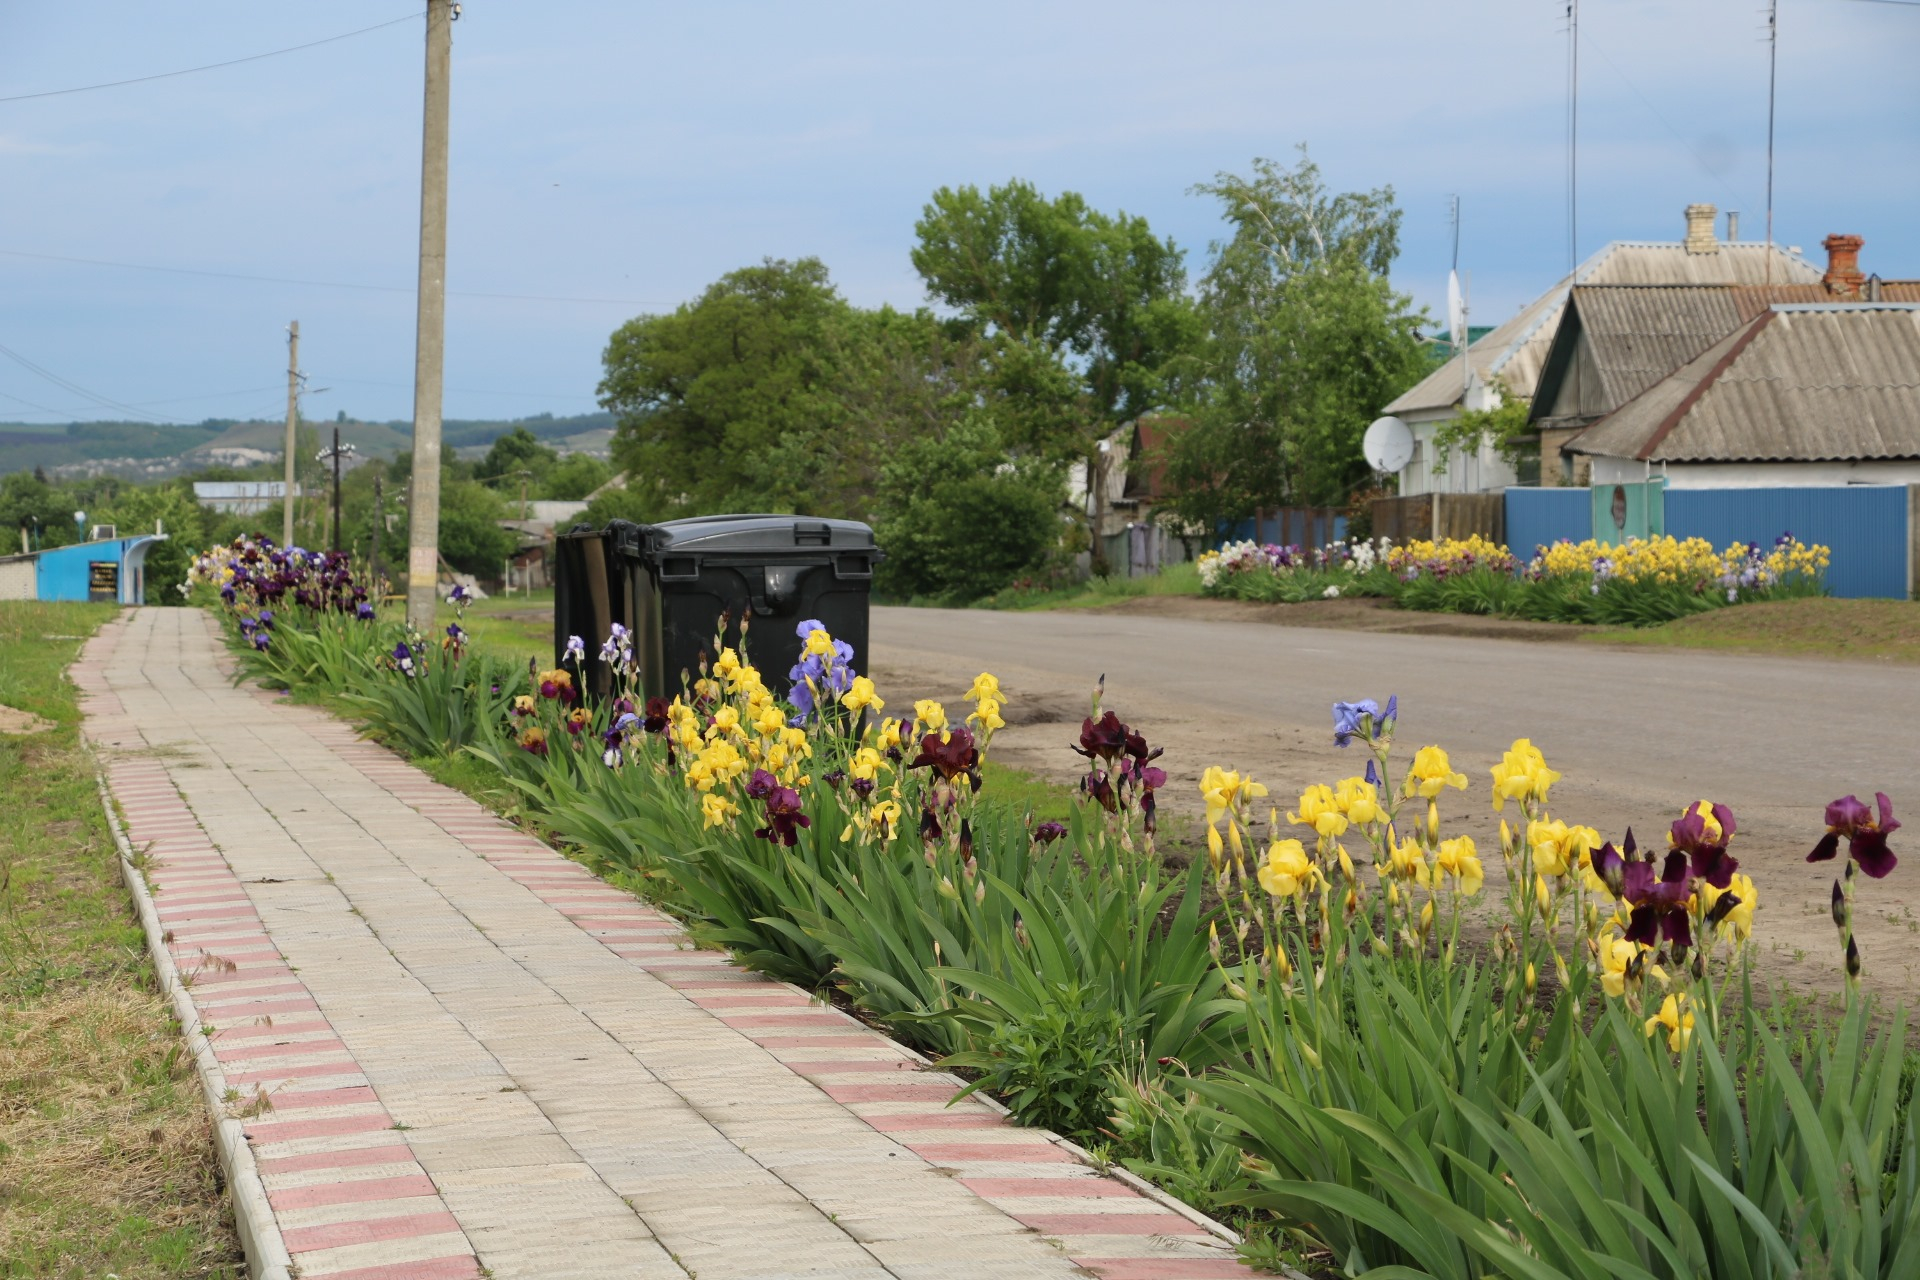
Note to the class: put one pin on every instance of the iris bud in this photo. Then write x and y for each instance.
(1426, 917)
(1839, 907)
(1533, 978)
(1433, 820)
(1853, 958)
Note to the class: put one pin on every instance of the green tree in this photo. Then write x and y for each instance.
(516, 451)
(139, 509)
(717, 402)
(471, 538)
(1060, 277)
(958, 521)
(1306, 340)
(574, 477)
(28, 501)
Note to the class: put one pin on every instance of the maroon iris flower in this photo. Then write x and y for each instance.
(1103, 739)
(1048, 832)
(950, 759)
(1659, 905)
(658, 716)
(1706, 851)
(784, 818)
(761, 785)
(1145, 779)
(1100, 789)
(1866, 834)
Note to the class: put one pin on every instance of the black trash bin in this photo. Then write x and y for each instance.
(671, 583)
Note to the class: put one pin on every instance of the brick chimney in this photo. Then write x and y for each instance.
(1843, 278)
(1700, 237)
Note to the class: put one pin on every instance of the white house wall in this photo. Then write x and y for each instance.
(18, 580)
(1756, 475)
(1482, 471)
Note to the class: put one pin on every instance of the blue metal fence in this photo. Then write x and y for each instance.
(1542, 517)
(1865, 525)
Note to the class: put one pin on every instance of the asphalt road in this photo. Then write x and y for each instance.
(1638, 734)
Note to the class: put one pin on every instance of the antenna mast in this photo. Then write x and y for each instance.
(1573, 135)
(1773, 75)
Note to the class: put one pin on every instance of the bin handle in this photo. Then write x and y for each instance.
(812, 534)
(854, 567)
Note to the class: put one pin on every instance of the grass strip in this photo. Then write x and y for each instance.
(106, 1166)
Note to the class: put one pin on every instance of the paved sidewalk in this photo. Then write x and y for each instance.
(456, 1053)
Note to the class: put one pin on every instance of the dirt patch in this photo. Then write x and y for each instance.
(1357, 614)
(18, 723)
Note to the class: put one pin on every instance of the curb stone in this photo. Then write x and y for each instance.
(267, 1257)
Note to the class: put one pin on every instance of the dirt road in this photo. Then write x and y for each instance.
(1638, 734)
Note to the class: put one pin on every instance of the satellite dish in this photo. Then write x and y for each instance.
(1388, 445)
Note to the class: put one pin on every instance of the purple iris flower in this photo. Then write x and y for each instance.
(403, 658)
(1708, 855)
(808, 627)
(1048, 832)
(761, 784)
(576, 650)
(1659, 905)
(266, 618)
(784, 818)
(1866, 834)
(260, 641)
(1348, 717)
(363, 611)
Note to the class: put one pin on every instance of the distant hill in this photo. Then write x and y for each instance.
(146, 450)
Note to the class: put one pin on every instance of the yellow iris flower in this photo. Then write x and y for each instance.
(1459, 860)
(861, 697)
(1359, 800)
(1522, 774)
(1287, 869)
(1676, 1017)
(819, 643)
(1223, 789)
(931, 715)
(1431, 772)
(1737, 924)
(1405, 861)
(717, 809)
(1319, 811)
(726, 664)
(987, 715)
(985, 686)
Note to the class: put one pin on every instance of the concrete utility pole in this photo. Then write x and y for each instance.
(293, 422)
(379, 532)
(423, 550)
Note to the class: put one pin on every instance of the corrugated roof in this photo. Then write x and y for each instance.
(1516, 351)
(1822, 383)
(1638, 334)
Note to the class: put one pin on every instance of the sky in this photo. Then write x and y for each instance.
(610, 159)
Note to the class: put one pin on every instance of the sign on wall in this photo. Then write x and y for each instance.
(1622, 511)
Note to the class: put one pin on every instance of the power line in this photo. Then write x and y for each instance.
(211, 66)
(472, 391)
(74, 387)
(321, 284)
(212, 395)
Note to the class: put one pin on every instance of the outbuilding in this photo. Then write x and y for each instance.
(109, 570)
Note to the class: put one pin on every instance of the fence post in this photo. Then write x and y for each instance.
(1913, 542)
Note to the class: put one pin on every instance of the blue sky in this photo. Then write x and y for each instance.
(635, 151)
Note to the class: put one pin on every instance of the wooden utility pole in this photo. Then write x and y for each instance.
(423, 550)
(379, 531)
(293, 422)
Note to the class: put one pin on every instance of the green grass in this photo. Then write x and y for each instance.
(1885, 630)
(498, 627)
(105, 1163)
(1174, 580)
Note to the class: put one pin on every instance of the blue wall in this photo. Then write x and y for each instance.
(1541, 517)
(1865, 525)
(64, 572)
(1294, 528)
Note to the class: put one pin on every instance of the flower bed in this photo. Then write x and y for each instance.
(1640, 583)
(1298, 1029)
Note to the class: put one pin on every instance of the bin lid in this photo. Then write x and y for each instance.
(758, 534)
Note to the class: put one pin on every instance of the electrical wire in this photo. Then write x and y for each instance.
(212, 66)
(104, 402)
(322, 284)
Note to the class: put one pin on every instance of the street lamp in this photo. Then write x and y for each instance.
(334, 455)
